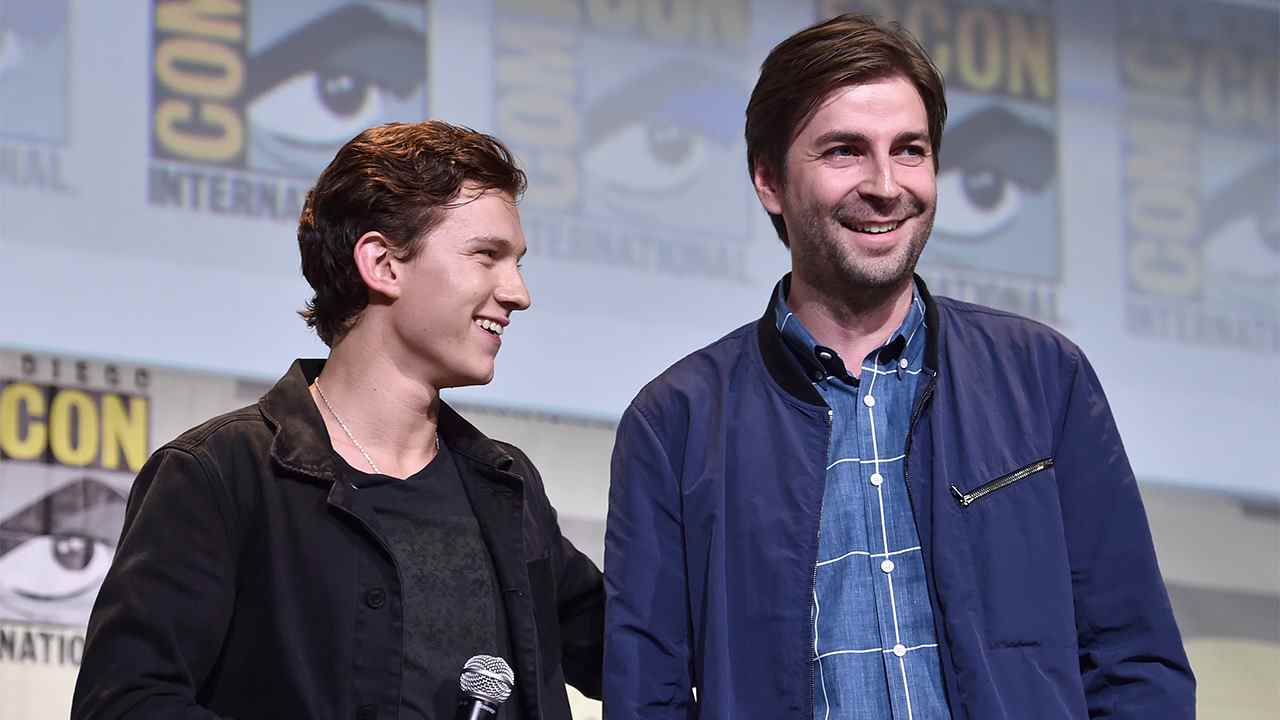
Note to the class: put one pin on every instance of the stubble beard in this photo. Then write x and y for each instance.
(832, 266)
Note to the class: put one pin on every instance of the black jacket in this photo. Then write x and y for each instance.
(248, 582)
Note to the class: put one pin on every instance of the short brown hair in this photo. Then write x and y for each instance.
(397, 179)
(800, 71)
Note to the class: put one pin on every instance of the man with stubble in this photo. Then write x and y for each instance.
(873, 502)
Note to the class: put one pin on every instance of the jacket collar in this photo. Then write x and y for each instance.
(786, 369)
(301, 441)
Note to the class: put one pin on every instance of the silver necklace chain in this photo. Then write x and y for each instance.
(347, 430)
(351, 437)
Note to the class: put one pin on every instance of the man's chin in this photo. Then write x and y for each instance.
(468, 378)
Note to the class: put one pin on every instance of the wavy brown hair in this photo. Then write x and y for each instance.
(397, 179)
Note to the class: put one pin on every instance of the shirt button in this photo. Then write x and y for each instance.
(903, 363)
(818, 375)
(900, 650)
(887, 566)
(868, 401)
(877, 479)
(375, 598)
(824, 354)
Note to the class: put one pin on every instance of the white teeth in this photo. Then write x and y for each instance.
(876, 229)
(489, 325)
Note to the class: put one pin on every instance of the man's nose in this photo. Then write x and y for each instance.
(512, 292)
(881, 182)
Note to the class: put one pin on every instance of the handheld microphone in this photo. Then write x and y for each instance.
(486, 683)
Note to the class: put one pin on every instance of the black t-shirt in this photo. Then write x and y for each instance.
(452, 605)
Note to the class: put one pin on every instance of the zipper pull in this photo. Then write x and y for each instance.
(961, 498)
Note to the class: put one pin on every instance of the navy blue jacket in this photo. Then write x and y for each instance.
(1047, 597)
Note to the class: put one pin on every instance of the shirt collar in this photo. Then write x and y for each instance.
(820, 361)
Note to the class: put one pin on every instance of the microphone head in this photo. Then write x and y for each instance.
(487, 678)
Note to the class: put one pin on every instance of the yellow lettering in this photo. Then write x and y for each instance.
(978, 49)
(929, 23)
(1221, 95)
(1165, 268)
(668, 19)
(200, 68)
(224, 143)
(22, 404)
(564, 10)
(539, 57)
(885, 9)
(1166, 211)
(1161, 174)
(73, 428)
(538, 117)
(1157, 65)
(1030, 56)
(1161, 151)
(558, 180)
(615, 15)
(1263, 90)
(207, 18)
(727, 22)
(124, 432)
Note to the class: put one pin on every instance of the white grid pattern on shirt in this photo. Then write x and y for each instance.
(884, 534)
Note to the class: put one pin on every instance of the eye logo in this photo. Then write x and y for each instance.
(315, 87)
(1200, 176)
(250, 101)
(654, 134)
(54, 552)
(993, 163)
(1241, 236)
(34, 67)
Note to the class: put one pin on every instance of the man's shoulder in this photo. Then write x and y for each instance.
(702, 372)
(241, 428)
(974, 326)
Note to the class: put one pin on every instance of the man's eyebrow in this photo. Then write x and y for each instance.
(495, 240)
(912, 136)
(851, 137)
(844, 137)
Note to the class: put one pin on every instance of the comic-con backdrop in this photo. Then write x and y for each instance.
(1110, 168)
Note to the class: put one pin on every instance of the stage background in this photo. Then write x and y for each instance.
(1110, 168)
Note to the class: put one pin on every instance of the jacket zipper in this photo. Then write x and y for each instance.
(967, 499)
(925, 397)
(813, 591)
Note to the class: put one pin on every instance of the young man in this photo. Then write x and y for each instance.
(874, 503)
(341, 548)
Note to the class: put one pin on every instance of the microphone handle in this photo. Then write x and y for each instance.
(475, 709)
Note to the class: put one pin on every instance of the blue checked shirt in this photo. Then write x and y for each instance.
(874, 643)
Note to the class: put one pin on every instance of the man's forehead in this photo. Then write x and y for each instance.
(880, 94)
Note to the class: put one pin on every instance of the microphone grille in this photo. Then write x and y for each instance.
(488, 678)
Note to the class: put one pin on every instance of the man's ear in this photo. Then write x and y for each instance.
(377, 265)
(768, 189)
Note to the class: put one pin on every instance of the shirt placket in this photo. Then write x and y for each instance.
(875, 443)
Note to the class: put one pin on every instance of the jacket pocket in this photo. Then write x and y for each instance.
(968, 498)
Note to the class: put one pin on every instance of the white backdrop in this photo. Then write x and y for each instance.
(645, 239)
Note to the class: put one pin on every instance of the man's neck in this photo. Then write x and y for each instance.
(388, 414)
(853, 324)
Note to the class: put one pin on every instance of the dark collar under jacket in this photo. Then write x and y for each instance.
(302, 441)
(792, 373)
(301, 446)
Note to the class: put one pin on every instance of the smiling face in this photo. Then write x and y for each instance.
(457, 294)
(859, 189)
